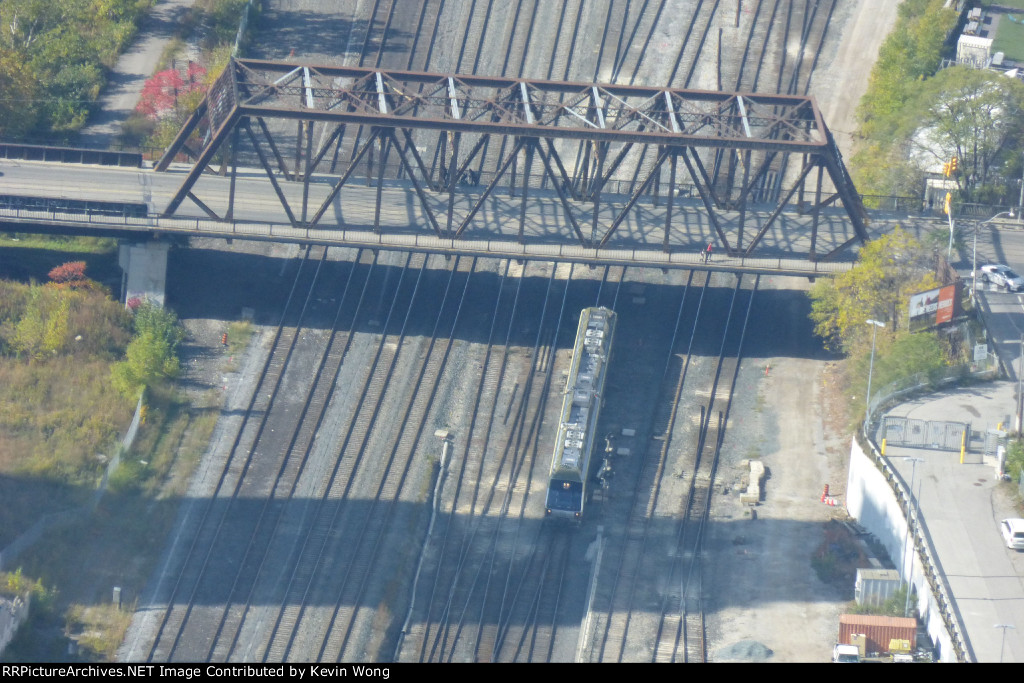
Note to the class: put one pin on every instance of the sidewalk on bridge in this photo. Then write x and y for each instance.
(961, 504)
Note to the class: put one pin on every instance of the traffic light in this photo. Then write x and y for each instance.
(949, 168)
(947, 209)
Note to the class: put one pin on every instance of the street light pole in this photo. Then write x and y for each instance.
(1003, 641)
(871, 367)
(974, 269)
(1020, 386)
(906, 538)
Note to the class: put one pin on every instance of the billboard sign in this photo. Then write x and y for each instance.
(933, 307)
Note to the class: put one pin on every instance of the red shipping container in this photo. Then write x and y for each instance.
(880, 631)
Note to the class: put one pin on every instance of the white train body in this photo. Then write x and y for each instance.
(581, 406)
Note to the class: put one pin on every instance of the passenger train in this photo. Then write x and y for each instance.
(568, 487)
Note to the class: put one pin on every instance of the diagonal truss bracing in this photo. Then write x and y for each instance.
(505, 158)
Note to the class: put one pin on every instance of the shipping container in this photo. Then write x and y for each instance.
(879, 632)
(875, 586)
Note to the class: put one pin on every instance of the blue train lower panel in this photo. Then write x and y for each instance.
(565, 499)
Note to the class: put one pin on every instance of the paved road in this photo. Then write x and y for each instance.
(783, 248)
(1001, 241)
(961, 505)
(134, 66)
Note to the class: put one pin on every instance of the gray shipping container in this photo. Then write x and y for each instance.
(875, 586)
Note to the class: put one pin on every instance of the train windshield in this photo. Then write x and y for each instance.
(566, 496)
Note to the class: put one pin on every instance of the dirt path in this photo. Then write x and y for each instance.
(839, 94)
(767, 595)
(764, 587)
(134, 66)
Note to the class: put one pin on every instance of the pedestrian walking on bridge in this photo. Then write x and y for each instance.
(707, 252)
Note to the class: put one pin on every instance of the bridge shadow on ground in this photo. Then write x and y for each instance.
(214, 284)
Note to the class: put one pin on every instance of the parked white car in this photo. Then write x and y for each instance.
(845, 654)
(1001, 275)
(1013, 532)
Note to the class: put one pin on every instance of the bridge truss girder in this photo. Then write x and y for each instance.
(467, 138)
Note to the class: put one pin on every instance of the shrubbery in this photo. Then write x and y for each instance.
(54, 55)
(152, 354)
(915, 116)
(889, 269)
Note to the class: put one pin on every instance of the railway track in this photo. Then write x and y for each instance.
(484, 486)
(636, 555)
(241, 459)
(299, 579)
(681, 632)
(271, 546)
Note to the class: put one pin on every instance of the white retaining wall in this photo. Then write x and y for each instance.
(872, 501)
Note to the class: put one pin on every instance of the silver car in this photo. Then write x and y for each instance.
(1001, 275)
(1013, 532)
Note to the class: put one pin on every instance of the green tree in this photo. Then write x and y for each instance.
(1015, 459)
(62, 49)
(18, 92)
(161, 323)
(906, 355)
(911, 52)
(151, 356)
(888, 270)
(971, 114)
(888, 113)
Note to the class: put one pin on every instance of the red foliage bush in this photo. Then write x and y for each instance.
(73, 271)
(71, 275)
(160, 93)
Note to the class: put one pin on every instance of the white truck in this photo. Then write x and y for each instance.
(845, 654)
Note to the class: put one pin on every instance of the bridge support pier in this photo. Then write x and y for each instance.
(144, 276)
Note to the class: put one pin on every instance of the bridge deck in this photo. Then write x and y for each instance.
(403, 227)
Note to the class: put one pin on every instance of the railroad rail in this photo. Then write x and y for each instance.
(485, 333)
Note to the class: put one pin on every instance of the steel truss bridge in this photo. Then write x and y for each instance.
(606, 167)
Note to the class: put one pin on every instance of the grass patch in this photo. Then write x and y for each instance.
(98, 630)
(1009, 38)
(28, 258)
(239, 334)
(120, 542)
(1010, 4)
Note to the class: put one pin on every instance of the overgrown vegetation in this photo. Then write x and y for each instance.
(894, 606)
(53, 59)
(174, 92)
(151, 355)
(837, 557)
(55, 56)
(61, 345)
(878, 287)
(914, 116)
(1015, 459)
(58, 410)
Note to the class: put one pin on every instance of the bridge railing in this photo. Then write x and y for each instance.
(500, 247)
(70, 155)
